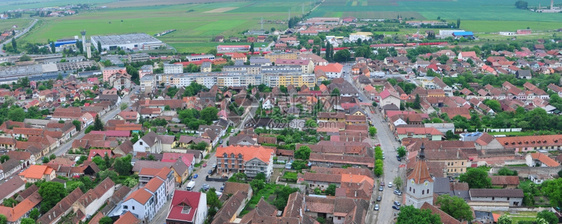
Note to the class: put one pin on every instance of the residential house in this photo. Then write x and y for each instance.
(187, 207)
(541, 160)
(250, 160)
(509, 182)
(11, 187)
(332, 70)
(141, 203)
(421, 132)
(90, 202)
(37, 172)
(148, 143)
(22, 209)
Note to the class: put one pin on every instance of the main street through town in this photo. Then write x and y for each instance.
(392, 169)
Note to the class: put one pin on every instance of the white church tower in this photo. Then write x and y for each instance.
(419, 186)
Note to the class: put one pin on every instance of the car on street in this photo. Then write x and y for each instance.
(210, 172)
(382, 183)
(376, 207)
(396, 207)
(379, 198)
(381, 188)
(389, 184)
(397, 192)
(204, 164)
(398, 158)
(206, 187)
(220, 142)
(397, 203)
(195, 176)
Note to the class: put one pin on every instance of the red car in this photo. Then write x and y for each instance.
(204, 165)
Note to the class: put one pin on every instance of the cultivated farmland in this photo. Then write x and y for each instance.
(477, 15)
(195, 24)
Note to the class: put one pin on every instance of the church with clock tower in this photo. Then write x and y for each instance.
(419, 185)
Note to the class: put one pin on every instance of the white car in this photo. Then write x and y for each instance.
(389, 184)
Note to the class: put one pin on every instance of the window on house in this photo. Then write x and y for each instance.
(493, 198)
(414, 191)
(428, 191)
(125, 207)
(140, 143)
(133, 207)
(423, 192)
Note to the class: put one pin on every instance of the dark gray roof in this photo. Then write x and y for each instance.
(441, 185)
(150, 138)
(10, 186)
(516, 193)
(180, 167)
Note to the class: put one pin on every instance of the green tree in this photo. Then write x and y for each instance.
(10, 202)
(77, 124)
(27, 221)
(124, 106)
(335, 92)
(213, 202)
(410, 215)
(52, 156)
(548, 216)
(303, 153)
(98, 125)
(560, 173)
(209, 114)
(417, 102)
(107, 173)
(106, 220)
(476, 178)
(521, 4)
(4, 158)
(494, 105)
(25, 58)
(14, 44)
(299, 165)
(16, 114)
(342, 55)
(45, 160)
(401, 151)
(504, 171)
(99, 162)
(52, 193)
(553, 188)
(455, 207)
(504, 219)
(331, 190)
(459, 23)
(398, 182)
(123, 165)
(3, 219)
(252, 48)
(372, 131)
(34, 214)
(378, 168)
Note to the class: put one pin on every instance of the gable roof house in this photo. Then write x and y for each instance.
(188, 207)
(22, 209)
(148, 143)
(60, 209)
(91, 201)
(37, 172)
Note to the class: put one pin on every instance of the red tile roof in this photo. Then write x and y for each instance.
(184, 199)
(127, 218)
(140, 195)
(544, 159)
(247, 152)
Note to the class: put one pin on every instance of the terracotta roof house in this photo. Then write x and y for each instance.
(127, 218)
(539, 159)
(37, 172)
(249, 159)
(454, 111)
(187, 207)
(22, 209)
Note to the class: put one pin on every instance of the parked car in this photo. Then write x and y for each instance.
(396, 207)
(379, 198)
(382, 183)
(210, 172)
(397, 192)
(398, 158)
(376, 207)
(381, 188)
(206, 187)
(195, 176)
(397, 203)
(389, 184)
(204, 164)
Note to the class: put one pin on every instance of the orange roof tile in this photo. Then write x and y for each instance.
(127, 218)
(140, 195)
(36, 171)
(153, 184)
(247, 152)
(348, 178)
(545, 159)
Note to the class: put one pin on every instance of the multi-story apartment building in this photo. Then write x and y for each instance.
(273, 79)
(250, 160)
(173, 68)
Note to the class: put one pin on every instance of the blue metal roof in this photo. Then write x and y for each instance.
(468, 33)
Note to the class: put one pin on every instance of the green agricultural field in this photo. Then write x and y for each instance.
(9, 23)
(6, 5)
(475, 15)
(196, 24)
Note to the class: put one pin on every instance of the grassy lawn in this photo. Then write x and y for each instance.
(524, 133)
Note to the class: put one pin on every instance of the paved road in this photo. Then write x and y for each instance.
(17, 35)
(391, 164)
(63, 148)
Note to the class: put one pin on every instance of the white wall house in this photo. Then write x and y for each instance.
(141, 204)
(148, 143)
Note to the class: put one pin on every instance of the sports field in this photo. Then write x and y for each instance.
(195, 23)
(477, 15)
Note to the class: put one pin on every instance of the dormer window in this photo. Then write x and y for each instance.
(186, 209)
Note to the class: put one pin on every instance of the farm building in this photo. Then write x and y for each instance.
(448, 33)
(467, 34)
(135, 41)
(233, 48)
